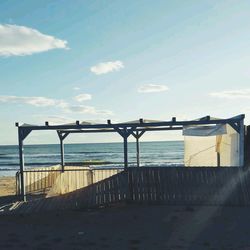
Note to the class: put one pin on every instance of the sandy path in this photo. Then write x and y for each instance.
(7, 186)
(130, 227)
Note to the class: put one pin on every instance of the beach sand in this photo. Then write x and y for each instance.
(7, 186)
(130, 227)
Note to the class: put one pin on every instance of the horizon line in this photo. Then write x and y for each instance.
(30, 144)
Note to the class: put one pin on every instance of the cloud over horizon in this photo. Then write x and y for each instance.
(20, 40)
(82, 109)
(37, 101)
(232, 94)
(152, 88)
(83, 97)
(54, 119)
(106, 67)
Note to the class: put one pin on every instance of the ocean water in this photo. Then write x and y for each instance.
(168, 153)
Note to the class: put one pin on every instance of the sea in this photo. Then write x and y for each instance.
(164, 153)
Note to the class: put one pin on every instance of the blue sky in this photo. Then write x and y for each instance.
(121, 60)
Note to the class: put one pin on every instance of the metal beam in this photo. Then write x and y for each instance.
(125, 151)
(137, 149)
(137, 134)
(89, 131)
(62, 136)
(24, 132)
(62, 155)
(21, 163)
(114, 130)
(125, 133)
(136, 125)
(242, 143)
(235, 126)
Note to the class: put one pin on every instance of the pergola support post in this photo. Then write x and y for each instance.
(137, 151)
(61, 138)
(62, 154)
(125, 147)
(21, 163)
(137, 136)
(22, 134)
(125, 133)
(242, 142)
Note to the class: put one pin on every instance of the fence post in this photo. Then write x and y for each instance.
(129, 178)
(17, 183)
(90, 177)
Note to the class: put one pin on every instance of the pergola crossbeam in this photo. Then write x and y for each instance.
(135, 125)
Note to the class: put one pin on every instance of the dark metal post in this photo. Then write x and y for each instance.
(125, 145)
(21, 161)
(62, 154)
(62, 136)
(218, 159)
(242, 142)
(218, 146)
(137, 149)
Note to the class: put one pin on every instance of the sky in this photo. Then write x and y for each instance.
(121, 60)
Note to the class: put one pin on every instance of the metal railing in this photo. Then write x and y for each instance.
(52, 181)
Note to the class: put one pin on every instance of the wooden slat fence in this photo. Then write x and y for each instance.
(190, 186)
(170, 186)
(107, 191)
(110, 190)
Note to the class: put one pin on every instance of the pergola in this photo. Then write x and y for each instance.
(135, 128)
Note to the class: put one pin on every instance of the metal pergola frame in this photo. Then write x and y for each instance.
(136, 129)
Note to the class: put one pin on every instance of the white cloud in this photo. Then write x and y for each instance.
(150, 88)
(83, 97)
(49, 102)
(82, 109)
(20, 40)
(232, 94)
(106, 67)
(54, 119)
(59, 120)
(76, 88)
(37, 101)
